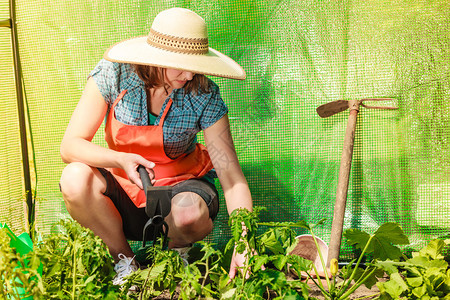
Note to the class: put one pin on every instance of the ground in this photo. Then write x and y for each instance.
(361, 292)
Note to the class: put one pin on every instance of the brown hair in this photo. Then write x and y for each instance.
(154, 77)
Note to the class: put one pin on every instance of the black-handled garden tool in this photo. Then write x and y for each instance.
(327, 110)
(159, 200)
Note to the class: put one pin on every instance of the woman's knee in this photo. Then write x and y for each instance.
(189, 210)
(77, 181)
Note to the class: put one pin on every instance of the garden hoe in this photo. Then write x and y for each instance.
(327, 110)
(159, 200)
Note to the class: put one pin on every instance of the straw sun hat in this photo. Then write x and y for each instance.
(178, 39)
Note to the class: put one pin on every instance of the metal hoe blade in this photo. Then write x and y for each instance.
(331, 108)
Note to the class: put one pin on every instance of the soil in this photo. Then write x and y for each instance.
(361, 292)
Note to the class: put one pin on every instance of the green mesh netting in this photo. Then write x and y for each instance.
(298, 55)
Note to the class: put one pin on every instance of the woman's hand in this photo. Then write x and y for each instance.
(237, 263)
(129, 162)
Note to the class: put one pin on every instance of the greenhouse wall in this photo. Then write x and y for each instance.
(298, 55)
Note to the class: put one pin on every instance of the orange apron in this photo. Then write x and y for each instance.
(148, 141)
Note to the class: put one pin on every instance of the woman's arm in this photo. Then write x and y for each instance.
(219, 143)
(76, 145)
(237, 194)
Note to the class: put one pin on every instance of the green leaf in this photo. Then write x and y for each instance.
(291, 247)
(270, 241)
(321, 222)
(299, 224)
(439, 264)
(280, 261)
(384, 250)
(90, 279)
(358, 273)
(258, 261)
(414, 281)
(371, 280)
(278, 278)
(298, 263)
(382, 240)
(156, 270)
(419, 291)
(384, 237)
(436, 276)
(418, 261)
(347, 270)
(393, 233)
(395, 286)
(291, 295)
(358, 238)
(433, 250)
(228, 294)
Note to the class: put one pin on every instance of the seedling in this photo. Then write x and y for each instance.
(380, 245)
(424, 276)
(78, 266)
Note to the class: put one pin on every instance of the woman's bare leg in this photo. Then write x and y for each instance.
(82, 187)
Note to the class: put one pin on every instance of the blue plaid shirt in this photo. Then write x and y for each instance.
(188, 114)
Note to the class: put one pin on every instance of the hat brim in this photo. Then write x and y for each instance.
(138, 51)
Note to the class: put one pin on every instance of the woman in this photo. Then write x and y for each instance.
(155, 97)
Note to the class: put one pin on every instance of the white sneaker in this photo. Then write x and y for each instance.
(183, 252)
(123, 268)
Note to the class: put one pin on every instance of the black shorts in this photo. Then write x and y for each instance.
(135, 218)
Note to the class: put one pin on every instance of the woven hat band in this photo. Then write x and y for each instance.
(178, 44)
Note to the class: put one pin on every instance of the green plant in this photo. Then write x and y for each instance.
(160, 276)
(264, 274)
(424, 276)
(200, 278)
(379, 245)
(207, 276)
(168, 274)
(77, 264)
(267, 259)
(19, 278)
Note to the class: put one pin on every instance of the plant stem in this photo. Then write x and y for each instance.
(369, 296)
(358, 284)
(206, 273)
(324, 266)
(324, 292)
(344, 288)
(247, 260)
(320, 285)
(144, 286)
(74, 276)
(333, 283)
